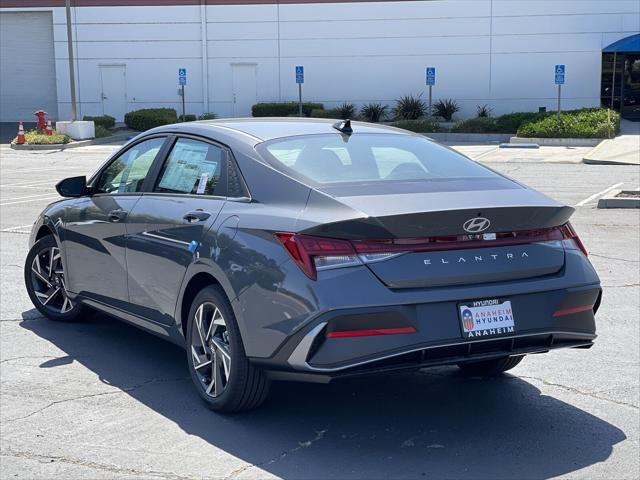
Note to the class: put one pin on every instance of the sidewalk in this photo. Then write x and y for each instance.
(621, 150)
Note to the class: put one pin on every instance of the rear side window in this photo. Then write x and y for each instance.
(335, 158)
(193, 167)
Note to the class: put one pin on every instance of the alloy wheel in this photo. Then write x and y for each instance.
(48, 281)
(210, 352)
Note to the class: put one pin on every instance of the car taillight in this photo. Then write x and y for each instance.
(570, 234)
(318, 253)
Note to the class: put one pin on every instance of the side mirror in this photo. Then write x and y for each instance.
(72, 187)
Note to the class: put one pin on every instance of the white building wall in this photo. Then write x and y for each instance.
(495, 52)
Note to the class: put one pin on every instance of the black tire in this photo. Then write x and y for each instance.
(41, 283)
(490, 368)
(245, 386)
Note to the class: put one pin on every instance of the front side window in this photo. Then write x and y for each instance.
(193, 167)
(335, 158)
(126, 173)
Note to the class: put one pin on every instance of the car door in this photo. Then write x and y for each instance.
(94, 230)
(166, 225)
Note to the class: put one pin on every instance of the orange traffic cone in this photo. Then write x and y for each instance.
(49, 130)
(20, 139)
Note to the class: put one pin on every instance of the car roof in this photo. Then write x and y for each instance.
(268, 128)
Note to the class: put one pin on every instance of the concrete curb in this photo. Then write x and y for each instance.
(80, 143)
(559, 142)
(590, 158)
(611, 201)
(468, 137)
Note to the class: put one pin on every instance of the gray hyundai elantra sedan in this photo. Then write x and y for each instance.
(310, 249)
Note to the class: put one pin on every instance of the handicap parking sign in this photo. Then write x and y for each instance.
(299, 74)
(559, 74)
(431, 75)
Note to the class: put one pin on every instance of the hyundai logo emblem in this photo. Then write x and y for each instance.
(476, 225)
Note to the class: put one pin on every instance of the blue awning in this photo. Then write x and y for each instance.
(624, 45)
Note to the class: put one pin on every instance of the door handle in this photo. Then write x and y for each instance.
(196, 216)
(117, 215)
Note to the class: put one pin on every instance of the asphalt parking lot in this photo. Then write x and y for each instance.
(100, 399)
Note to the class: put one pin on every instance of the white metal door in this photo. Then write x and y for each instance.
(114, 90)
(244, 88)
(27, 66)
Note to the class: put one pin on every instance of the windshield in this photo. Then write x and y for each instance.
(336, 158)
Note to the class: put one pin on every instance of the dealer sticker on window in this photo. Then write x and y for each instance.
(487, 318)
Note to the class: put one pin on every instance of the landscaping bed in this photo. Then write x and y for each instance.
(35, 137)
(410, 113)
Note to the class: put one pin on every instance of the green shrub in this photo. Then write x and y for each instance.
(189, 117)
(421, 125)
(445, 109)
(34, 137)
(346, 110)
(583, 123)
(282, 109)
(475, 125)
(322, 113)
(150, 118)
(409, 107)
(102, 132)
(511, 122)
(483, 110)
(106, 121)
(208, 116)
(374, 112)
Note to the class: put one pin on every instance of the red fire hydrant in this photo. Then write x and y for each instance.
(42, 122)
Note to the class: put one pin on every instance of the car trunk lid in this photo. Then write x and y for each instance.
(446, 236)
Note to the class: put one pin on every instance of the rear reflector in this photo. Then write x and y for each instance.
(571, 310)
(370, 333)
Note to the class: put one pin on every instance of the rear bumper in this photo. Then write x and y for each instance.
(438, 337)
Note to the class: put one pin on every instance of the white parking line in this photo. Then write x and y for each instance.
(15, 229)
(27, 201)
(44, 169)
(597, 195)
(47, 194)
(27, 184)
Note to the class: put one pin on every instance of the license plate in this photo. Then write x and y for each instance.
(486, 318)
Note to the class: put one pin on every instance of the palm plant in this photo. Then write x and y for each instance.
(346, 110)
(446, 108)
(409, 107)
(374, 112)
(483, 110)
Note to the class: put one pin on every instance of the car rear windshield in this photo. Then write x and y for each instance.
(335, 158)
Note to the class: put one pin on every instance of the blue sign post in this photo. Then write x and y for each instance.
(559, 71)
(182, 81)
(431, 81)
(299, 81)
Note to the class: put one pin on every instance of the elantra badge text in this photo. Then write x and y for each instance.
(478, 258)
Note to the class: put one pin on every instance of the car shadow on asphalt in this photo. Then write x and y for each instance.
(434, 423)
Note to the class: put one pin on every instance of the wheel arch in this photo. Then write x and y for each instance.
(197, 278)
(43, 231)
(196, 283)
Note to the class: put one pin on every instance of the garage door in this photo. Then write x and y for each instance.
(27, 73)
